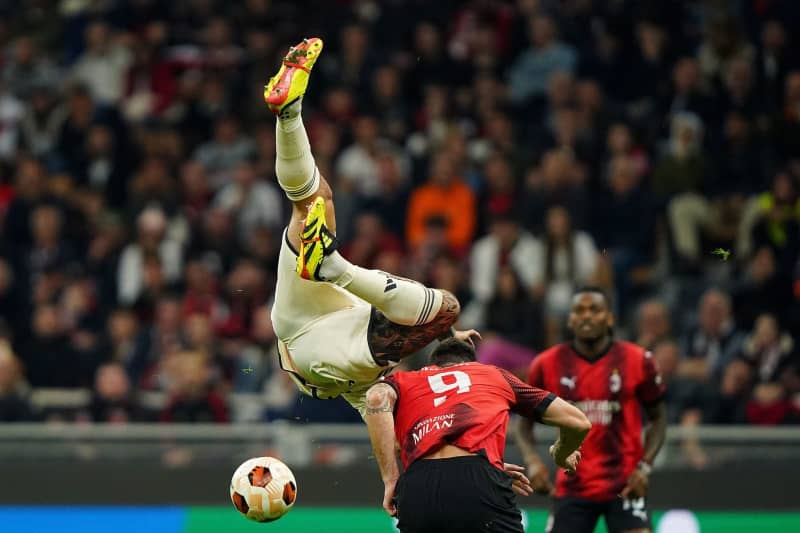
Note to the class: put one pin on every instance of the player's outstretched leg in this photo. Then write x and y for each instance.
(402, 301)
(294, 164)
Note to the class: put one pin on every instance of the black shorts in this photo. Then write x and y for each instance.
(458, 495)
(577, 515)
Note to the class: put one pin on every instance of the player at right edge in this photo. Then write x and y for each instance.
(613, 382)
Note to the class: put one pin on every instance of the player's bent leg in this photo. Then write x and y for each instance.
(301, 209)
(391, 341)
(573, 515)
(628, 516)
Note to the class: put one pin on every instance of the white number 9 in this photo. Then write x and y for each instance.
(457, 380)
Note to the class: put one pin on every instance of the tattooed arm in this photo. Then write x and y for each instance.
(381, 399)
(392, 341)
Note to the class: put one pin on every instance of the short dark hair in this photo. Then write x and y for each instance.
(452, 351)
(593, 289)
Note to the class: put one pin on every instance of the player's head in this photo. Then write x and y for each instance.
(452, 351)
(590, 317)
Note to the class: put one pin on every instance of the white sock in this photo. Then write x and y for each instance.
(403, 301)
(294, 163)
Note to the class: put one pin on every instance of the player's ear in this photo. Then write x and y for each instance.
(611, 320)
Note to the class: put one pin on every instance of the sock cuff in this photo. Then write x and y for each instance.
(305, 190)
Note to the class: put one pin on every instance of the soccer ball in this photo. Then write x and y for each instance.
(263, 489)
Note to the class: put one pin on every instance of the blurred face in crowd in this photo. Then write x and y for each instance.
(389, 173)
(244, 175)
(100, 140)
(654, 320)
(366, 130)
(151, 224)
(792, 97)
(714, 313)
(560, 89)
(737, 128)
(194, 180)
(507, 285)
(783, 188)
(122, 326)
(543, 31)
(623, 177)
(686, 75)
(739, 76)
(589, 95)
(558, 224)
(442, 170)
(426, 39)
(498, 175)
(556, 169)
(168, 315)
(30, 179)
(386, 83)
(111, 382)
(651, 40)
(369, 227)
(218, 32)
(46, 225)
(46, 323)
(192, 373)
(226, 130)
(766, 331)
(354, 41)
(199, 330)
(24, 51)
(773, 35)
(590, 318)
(667, 355)
(10, 370)
(619, 140)
(97, 36)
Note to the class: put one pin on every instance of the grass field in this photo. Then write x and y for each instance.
(300, 520)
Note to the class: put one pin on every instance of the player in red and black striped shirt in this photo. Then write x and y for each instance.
(450, 420)
(615, 383)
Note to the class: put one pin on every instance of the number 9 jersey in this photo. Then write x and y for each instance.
(466, 405)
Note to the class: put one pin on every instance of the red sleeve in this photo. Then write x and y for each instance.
(530, 402)
(535, 372)
(651, 388)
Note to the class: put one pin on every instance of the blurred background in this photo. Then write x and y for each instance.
(651, 147)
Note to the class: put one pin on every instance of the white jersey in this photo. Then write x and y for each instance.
(322, 335)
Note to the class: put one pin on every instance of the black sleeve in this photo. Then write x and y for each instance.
(529, 402)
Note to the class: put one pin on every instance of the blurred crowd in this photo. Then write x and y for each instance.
(508, 151)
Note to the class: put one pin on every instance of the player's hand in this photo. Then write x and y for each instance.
(569, 463)
(540, 479)
(520, 483)
(467, 336)
(388, 497)
(636, 487)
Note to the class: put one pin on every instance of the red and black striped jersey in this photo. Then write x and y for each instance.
(466, 405)
(611, 390)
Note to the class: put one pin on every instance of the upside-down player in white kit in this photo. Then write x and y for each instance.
(340, 327)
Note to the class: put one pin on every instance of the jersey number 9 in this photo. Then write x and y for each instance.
(447, 381)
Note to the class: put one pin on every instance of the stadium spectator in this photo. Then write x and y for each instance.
(251, 200)
(513, 327)
(653, 324)
(506, 244)
(547, 55)
(113, 400)
(14, 390)
(568, 260)
(163, 253)
(445, 197)
(555, 181)
(27, 70)
(103, 64)
(47, 354)
(228, 148)
(191, 397)
(712, 341)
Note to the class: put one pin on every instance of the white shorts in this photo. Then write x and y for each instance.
(322, 333)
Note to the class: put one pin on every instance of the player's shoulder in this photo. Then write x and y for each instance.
(631, 350)
(554, 352)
